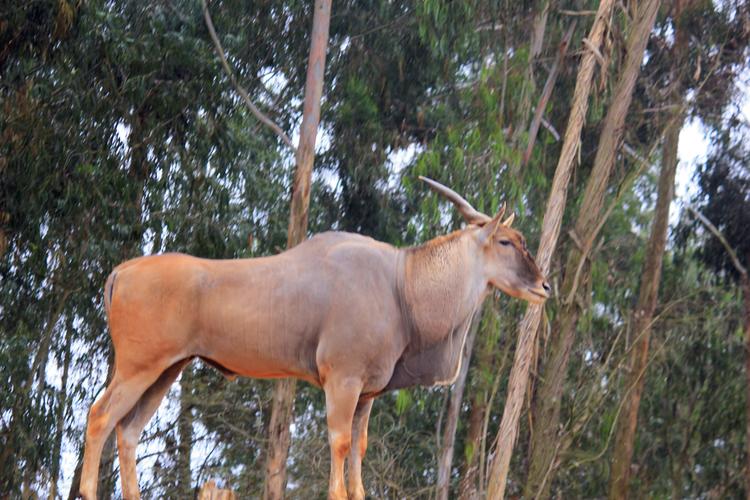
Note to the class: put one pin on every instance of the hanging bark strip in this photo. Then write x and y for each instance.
(519, 375)
(283, 396)
(546, 443)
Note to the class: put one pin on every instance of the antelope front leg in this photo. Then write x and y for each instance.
(359, 447)
(341, 400)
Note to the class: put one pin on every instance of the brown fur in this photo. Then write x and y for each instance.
(210, 491)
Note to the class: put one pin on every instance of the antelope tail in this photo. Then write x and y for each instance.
(109, 288)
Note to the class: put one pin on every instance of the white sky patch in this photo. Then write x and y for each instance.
(691, 151)
(399, 159)
(123, 134)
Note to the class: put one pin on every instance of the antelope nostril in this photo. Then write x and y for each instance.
(546, 287)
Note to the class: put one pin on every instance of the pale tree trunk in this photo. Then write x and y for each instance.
(642, 318)
(488, 362)
(519, 375)
(545, 439)
(538, 30)
(283, 396)
(485, 356)
(448, 441)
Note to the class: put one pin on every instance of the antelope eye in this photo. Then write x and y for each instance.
(504, 243)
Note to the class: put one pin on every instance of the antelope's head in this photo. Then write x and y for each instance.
(508, 265)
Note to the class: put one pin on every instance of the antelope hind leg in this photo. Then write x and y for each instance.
(129, 429)
(359, 447)
(117, 400)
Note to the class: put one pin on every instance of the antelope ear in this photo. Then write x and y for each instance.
(490, 228)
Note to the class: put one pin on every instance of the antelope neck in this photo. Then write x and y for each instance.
(443, 283)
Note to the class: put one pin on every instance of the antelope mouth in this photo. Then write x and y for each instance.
(539, 292)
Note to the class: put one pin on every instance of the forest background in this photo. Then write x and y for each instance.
(121, 134)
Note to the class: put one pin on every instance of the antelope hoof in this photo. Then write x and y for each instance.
(357, 493)
(337, 495)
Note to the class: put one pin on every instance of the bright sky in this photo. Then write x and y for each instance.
(693, 148)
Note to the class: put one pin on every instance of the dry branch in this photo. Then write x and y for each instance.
(719, 236)
(238, 87)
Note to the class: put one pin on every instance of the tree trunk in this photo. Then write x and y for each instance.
(635, 377)
(139, 172)
(185, 435)
(75, 483)
(537, 32)
(107, 477)
(467, 489)
(745, 280)
(60, 416)
(536, 43)
(642, 318)
(545, 442)
(491, 359)
(23, 402)
(519, 375)
(283, 397)
(3, 238)
(445, 456)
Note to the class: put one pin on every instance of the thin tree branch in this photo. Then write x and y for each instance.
(551, 129)
(577, 12)
(547, 93)
(239, 88)
(732, 255)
